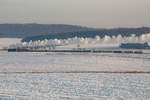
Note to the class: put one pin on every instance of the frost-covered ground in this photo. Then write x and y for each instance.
(74, 86)
(5, 42)
(59, 62)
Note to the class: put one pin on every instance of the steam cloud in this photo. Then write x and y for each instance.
(107, 40)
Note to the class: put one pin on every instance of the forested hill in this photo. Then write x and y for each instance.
(92, 33)
(51, 31)
(25, 30)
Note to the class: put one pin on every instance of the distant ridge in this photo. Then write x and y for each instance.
(91, 33)
(35, 31)
(25, 30)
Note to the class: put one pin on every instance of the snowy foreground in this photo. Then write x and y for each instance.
(57, 85)
(75, 62)
(74, 86)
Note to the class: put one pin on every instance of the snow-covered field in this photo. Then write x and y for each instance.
(5, 42)
(73, 86)
(62, 62)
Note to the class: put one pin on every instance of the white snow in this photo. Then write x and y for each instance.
(5, 42)
(74, 86)
(58, 62)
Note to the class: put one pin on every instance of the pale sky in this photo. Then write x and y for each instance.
(91, 13)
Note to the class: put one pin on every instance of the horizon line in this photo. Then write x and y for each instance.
(127, 27)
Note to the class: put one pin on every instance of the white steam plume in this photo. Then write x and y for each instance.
(97, 41)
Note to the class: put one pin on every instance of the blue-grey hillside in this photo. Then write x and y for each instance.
(60, 31)
(92, 33)
(27, 30)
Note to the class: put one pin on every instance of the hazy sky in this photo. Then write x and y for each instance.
(92, 13)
